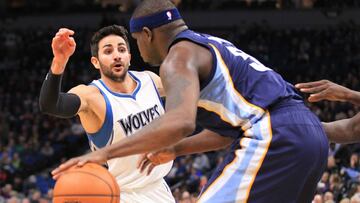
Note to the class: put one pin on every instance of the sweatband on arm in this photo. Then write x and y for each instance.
(56, 103)
(154, 20)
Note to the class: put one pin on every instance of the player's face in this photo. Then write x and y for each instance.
(113, 57)
(147, 52)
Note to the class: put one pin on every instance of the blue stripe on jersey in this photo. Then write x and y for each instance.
(133, 95)
(238, 175)
(235, 177)
(157, 92)
(221, 97)
(105, 135)
(221, 94)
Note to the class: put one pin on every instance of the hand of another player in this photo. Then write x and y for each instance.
(323, 90)
(99, 157)
(63, 45)
(152, 159)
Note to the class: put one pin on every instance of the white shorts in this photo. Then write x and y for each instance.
(158, 192)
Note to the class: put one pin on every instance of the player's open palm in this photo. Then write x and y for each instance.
(153, 159)
(323, 90)
(63, 44)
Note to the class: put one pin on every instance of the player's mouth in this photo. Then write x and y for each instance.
(118, 67)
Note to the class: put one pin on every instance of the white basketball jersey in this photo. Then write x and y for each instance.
(126, 114)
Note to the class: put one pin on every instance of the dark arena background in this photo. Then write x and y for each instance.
(304, 40)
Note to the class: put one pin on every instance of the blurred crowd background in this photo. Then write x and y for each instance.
(33, 6)
(32, 144)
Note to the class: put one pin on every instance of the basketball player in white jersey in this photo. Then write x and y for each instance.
(110, 108)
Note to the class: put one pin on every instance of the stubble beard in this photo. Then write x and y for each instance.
(106, 70)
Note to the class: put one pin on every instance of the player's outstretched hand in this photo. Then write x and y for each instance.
(323, 90)
(99, 157)
(63, 45)
(153, 159)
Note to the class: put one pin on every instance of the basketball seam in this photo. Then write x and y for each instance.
(112, 193)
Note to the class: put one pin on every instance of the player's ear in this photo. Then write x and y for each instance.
(95, 62)
(148, 34)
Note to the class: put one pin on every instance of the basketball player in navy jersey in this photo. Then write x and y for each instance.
(110, 108)
(278, 148)
(341, 131)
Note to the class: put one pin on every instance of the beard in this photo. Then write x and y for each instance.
(106, 70)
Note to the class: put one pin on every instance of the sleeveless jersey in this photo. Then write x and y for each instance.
(239, 89)
(126, 114)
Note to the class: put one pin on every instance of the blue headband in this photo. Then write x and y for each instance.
(155, 20)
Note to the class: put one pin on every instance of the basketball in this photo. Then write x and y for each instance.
(90, 183)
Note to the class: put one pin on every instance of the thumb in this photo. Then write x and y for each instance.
(314, 98)
(82, 162)
(149, 155)
(72, 42)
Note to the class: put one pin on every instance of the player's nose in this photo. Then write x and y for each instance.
(117, 56)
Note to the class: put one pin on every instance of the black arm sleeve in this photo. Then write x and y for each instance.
(54, 102)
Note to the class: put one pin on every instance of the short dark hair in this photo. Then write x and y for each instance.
(148, 7)
(104, 32)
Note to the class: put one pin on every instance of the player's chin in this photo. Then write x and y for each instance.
(119, 76)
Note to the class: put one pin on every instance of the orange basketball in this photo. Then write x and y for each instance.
(91, 183)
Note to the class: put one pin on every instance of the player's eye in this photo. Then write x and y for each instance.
(107, 51)
(122, 50)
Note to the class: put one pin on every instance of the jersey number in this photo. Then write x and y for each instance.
(257, 65)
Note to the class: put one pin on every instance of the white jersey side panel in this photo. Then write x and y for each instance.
(126, 114)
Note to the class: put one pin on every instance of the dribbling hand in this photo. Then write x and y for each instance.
(99, 157)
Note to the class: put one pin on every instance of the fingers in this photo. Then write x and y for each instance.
(316, 97)
(82, 162)
(71, 42)
(63, 167)
(154, 159)
(319, 90)
(145, 164)
(150, 168)
(65, 32)
(315, 89)
(142, 163)
(140, 160)
(311, 84)
(57, 176)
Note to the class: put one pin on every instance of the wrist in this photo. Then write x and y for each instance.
(58, 65)
(177, 150)
(54, 76)
(107, 154)
(353, 97)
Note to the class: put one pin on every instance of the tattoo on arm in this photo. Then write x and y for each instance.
(175, 96)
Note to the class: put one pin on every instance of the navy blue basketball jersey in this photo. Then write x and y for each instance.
(239, 89)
